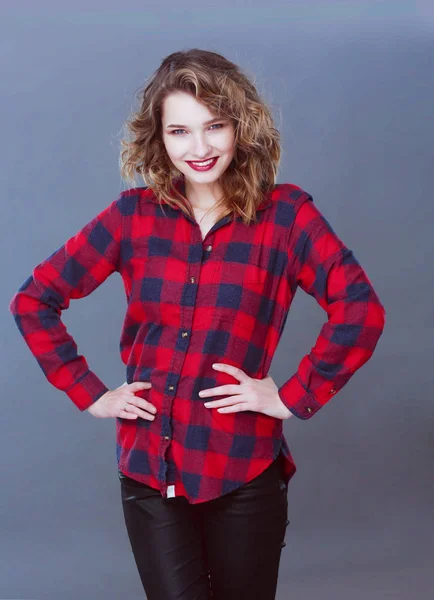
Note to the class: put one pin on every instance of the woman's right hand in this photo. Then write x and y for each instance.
(121, 402)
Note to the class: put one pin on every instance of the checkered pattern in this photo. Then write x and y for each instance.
(192, 302)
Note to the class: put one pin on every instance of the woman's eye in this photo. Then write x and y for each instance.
(214, 125)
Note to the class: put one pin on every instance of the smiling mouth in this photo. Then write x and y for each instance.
(202, 163)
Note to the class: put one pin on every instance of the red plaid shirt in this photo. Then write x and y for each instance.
(192, 302)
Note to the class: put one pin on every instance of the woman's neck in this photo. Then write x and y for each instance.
(202, 197)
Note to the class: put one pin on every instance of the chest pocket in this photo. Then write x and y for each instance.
(236, 273)
(241, 293)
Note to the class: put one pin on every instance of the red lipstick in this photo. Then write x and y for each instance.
(207, 166)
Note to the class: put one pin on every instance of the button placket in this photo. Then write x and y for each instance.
(175, 369)
(196, 262)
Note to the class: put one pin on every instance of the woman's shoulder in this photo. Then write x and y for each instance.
(290, 193)
(128, 200)
(137, 192)
(289, 190)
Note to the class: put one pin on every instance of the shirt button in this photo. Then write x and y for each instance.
(209, 248)
(332, 391)
(171, 388)
(184, 333)
(192, 279)
(166, 437)
(309, 409)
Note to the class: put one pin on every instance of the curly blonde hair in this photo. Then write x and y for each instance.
(221, 86)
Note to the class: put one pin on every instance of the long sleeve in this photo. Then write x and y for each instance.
(321, 264)
(73, 271)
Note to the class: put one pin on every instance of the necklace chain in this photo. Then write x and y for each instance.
(206, 211)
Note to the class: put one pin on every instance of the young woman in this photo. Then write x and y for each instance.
(211, 251)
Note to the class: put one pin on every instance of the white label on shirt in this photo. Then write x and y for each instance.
(171, 491)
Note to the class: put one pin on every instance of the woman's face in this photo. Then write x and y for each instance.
(189, 137)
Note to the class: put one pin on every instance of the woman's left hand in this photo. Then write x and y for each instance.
(259, 395)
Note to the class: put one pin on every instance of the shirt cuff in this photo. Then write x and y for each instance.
(87, 390)
(299, 401)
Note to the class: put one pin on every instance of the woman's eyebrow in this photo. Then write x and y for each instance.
(206, 122)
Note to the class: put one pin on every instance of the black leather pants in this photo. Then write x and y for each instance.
(224, 549)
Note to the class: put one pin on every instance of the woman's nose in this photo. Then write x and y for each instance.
(200, 147)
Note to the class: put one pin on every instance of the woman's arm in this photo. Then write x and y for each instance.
(321, 264)
(73, 271)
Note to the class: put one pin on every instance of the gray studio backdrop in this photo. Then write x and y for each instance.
(351, 89)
